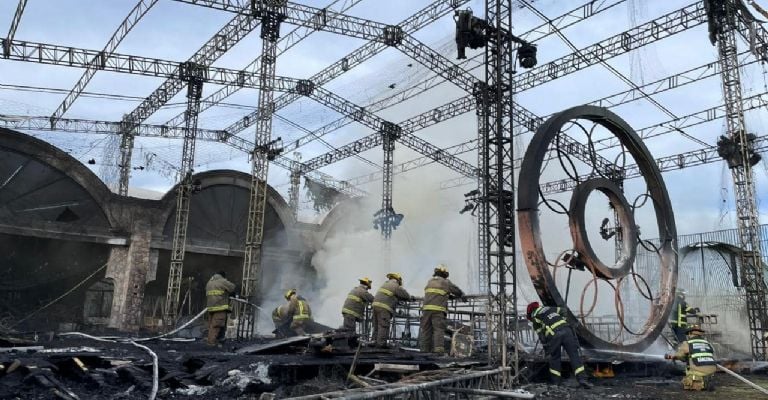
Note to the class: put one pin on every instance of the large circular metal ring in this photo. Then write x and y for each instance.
(530, 232)
(626, 219)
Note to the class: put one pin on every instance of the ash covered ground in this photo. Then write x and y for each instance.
(86, 369)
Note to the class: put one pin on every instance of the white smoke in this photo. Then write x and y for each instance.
(432, 232)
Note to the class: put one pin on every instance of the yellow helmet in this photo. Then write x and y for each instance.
(366, 282)
(290, 293)
(396, 276)
(441, 270)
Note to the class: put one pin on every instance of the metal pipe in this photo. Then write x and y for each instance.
(495, 393)
(376, 392)
(743, 379)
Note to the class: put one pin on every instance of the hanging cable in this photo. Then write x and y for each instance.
(65, 294)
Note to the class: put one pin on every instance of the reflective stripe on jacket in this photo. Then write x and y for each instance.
(681, 311)
(356, 301)
(303, 311)
(217, 292)
(298, 309)
(699, 355)
(547, 320)
(388, 295)
(701, 352)
(436, 294)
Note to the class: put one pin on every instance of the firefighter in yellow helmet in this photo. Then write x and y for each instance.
(698, 353)
(217, 292)
(354, 306)
(384, 306)
(299, 312)
(432, 324)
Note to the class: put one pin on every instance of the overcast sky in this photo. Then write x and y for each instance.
(174, 31)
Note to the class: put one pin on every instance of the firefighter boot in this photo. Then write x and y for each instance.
(583, 382)
(555, 380)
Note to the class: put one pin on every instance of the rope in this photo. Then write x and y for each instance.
(54, 301)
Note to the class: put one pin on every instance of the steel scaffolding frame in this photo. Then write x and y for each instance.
(723, 24)
(491, 97)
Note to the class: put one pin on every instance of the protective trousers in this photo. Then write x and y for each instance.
(381, 321)
(217, 326)
(349, 324)
(693, 381)
(565, 338)
(432, 332)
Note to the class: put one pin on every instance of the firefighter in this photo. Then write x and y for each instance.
(217, 292)
(680, 315)
(299, 312)
(384, 306)
(554, 332)
(432, 324)
(282, 322)
(697, 352)
(354, 306)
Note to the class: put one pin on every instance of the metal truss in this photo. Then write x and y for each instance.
(655, 30)
(540, 32)
(531, 122)
(386, 219)
(321, 140)
(127, 139)
(225, 38)
(687, 121)
(410, 165)
(674, 162)
(70, 56)
(194, 74)
(42, 53)
(229, 35)
(460, 384)
(299, 14)
(497, 191)
(138, 11)
(374, 122)
(419, 20)
(563, 21)
(14, 26)
(284, 44)
(606, 65)
(665, 26)
(755, 35)
(755, 102)
(723, 20)
(272, 14)
(293, 192)
(39, 123)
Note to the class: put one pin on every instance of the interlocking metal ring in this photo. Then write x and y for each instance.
(530, 198)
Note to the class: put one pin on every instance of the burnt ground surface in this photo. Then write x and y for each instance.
(650, 389)
(86, 369)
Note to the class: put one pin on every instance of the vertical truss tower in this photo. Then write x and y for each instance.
(723, 16)
(498, 174)
(272, 13)
(194, 74)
